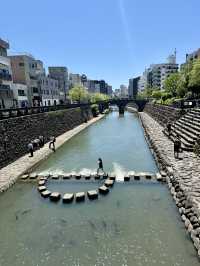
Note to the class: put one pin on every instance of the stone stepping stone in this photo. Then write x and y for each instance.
(164, 174)
(103, 190)
(55, 196)
(24, 177)
(68, 176)
(45, 193)
(33, 176)
(148, 176)
(78, 176)
(80, 196)
(109, 183)
(41, 188)
(92, 194)
(158, 177)
(56, 177)
(127, 178)
(137, 177)
(41, 183)
(68, 197)
(112, 177)
(43, 178)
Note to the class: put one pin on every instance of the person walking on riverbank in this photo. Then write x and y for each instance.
(52, 144)
(177, 146)
(30, 149)
(100, 168)
(169, 128)
(41, 138)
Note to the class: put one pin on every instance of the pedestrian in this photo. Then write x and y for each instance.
(100, 163)
(52, 143)
(169, 128)
(177, 146)
(30, 149)
(41, 138)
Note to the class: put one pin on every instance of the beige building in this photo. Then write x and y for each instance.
(27, 70)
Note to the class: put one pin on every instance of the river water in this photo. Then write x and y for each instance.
(136, 224)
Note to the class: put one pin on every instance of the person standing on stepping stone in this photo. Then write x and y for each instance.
(100, 163)
(30, 149)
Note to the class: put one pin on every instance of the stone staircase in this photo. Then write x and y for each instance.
(188, 128)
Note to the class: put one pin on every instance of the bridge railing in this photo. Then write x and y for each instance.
(16, 112)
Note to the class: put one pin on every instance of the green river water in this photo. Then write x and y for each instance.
(136, 224)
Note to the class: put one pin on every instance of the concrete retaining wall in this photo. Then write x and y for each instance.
(162, 113)
(16, 133)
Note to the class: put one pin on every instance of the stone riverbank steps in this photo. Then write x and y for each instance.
(183, 175)
(188, 128)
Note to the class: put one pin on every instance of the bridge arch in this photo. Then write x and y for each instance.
(122, 103)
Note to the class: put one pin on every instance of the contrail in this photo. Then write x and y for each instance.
(126, 26)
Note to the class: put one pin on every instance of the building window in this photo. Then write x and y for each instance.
(35, 90)
(21, 93)
(21, 64)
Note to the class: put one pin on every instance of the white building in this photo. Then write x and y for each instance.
(123, 91)
(20, 94)
(6, 93)
(49, 91)
(159, 72)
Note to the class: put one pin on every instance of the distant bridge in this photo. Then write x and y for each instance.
(122, 103)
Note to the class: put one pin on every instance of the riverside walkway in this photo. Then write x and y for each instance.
(186, 170)
(10, 173)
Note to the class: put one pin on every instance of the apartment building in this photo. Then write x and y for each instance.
(27, 70)
(6, 93)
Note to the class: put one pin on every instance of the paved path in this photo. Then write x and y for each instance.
(187, 170)
(10, 173)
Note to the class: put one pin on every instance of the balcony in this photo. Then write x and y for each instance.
(4, 75)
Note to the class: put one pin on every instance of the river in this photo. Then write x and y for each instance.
(135, 224)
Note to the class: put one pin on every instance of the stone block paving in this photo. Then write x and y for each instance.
(186, 170)
(10, 173)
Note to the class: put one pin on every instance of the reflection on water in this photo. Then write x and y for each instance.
(133, 225)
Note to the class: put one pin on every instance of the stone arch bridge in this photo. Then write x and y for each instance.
(121, 103)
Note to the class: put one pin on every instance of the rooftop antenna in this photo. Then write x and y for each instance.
(175, 53)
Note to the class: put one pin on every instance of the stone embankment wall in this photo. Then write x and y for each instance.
(183, 176)
(162, 113)
(16, 133)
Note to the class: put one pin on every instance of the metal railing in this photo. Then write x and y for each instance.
(17, 112)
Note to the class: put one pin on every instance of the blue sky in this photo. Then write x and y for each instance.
(106, 39)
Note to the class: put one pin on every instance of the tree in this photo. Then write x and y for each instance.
(98, 97)
(172, 83)
(79, 94)
(156, 94)
(194, 79)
